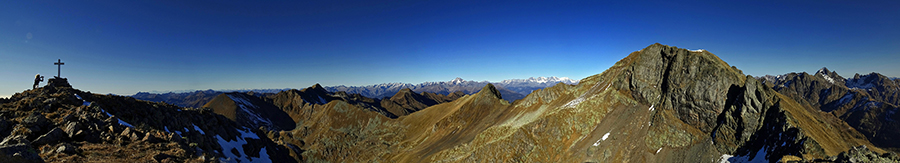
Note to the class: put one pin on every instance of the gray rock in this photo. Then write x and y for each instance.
(15, 139)
(51, 137)
(3, 125)
(150, 138)
(20, 152)
(72, 129)
(66, 148)
(162, 158)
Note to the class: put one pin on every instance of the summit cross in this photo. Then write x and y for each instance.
(58, 64)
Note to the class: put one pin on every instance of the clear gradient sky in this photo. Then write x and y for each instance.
(123, 47)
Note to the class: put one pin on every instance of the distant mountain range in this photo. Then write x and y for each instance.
(658, 104)
(512, 89)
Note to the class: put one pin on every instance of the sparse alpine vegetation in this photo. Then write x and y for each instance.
(658, 104)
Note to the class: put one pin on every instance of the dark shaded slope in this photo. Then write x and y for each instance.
(250, 111)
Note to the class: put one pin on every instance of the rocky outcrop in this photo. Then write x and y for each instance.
(62, 124)
(862, 154)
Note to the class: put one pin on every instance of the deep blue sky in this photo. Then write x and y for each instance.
(123, 47)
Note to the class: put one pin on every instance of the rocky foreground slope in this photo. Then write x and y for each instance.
(659, 104)
(57, 123)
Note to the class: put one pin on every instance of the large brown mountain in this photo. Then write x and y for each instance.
(868, 103)
(659, 104)
(251, 111)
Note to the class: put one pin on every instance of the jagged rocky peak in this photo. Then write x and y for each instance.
(830, 76)
(824, 71)
(666, 74)
(867, 81)
(490, 91)
(318, 88)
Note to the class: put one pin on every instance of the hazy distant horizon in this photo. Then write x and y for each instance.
(124, 47)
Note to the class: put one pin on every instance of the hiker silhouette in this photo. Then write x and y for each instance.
(37, 80)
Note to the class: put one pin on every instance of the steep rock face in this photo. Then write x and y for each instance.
(868, 103)
(693, 84)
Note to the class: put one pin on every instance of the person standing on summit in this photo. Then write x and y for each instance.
(37, 80)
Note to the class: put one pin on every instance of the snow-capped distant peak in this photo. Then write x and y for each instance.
(551, 79)
(823, 71)
(457, 80)
(698, 50)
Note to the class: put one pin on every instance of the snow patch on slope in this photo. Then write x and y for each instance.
(760, 157)
(238, 145)
(249, 108)
(830, 80)
(859, 84)
(846, 98)
(83, 102)
(198, 129)
(574, 102)
(117, 118)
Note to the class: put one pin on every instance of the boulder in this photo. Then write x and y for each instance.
(19, 153)
(15, 139)
(150, 138)
(35, 122)
(163, 158)
(58, 82)
(51, 137)
(66, 148)
(4, 125)
(72, 129)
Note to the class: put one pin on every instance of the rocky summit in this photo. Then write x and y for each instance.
(658, 104)
(58, 123)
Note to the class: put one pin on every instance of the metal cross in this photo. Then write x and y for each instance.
(58, 64)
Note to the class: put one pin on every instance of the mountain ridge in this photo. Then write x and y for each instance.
(513, 89)
(659, 104)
